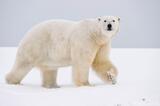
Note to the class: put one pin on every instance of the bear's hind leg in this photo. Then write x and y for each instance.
(18, 72)
(49, 78)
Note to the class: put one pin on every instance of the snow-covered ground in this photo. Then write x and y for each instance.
(138, 83)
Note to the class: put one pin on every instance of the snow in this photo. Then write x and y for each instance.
(138, 83)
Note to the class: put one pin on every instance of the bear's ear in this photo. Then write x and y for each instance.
(118, 18)
(99, 19)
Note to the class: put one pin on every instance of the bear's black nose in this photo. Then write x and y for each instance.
(109, 26)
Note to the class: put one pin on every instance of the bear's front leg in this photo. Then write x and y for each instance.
(80, 75)
(106, 71)
(82, 58)
(103, 66)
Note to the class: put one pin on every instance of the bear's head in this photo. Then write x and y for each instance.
(109, 25)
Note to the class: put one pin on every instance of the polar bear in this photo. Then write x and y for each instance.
(58, 43)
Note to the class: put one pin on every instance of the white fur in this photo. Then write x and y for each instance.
(58, 43)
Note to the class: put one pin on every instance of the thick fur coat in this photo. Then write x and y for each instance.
(58, 43)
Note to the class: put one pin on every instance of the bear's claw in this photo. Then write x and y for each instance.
(111, 78)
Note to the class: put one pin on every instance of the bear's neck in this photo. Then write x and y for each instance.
(100, 37)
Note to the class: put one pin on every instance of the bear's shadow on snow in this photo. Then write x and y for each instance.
(61, 86)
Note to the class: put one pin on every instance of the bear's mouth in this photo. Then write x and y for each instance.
(109, 29)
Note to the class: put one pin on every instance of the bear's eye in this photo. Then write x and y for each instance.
(113, 20)
(105, 21)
